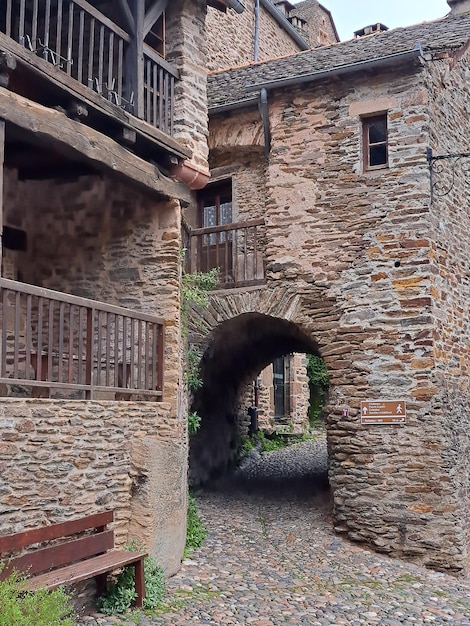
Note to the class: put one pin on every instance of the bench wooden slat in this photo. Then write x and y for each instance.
(71, 561)
(85, 569)
(45, 559)
(12, 543)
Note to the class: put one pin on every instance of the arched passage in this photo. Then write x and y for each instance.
(238, 349)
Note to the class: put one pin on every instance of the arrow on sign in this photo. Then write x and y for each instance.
(364, 410)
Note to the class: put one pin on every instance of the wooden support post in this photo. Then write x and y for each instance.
(135, 58)
(7, 65)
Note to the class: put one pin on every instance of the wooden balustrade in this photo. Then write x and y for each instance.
(232, 248)
(59, 343)
(81, 41)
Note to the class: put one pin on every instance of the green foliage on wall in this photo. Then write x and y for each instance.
(195, 292)
(318, 383)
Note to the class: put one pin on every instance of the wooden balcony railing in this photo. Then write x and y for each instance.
(62, 344)
(232, 248)
(89, 47)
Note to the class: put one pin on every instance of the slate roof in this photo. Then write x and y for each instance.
(229, 86)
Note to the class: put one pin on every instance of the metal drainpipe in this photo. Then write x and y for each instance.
(256, 42)
(263, 107)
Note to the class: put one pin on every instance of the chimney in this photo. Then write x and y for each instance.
(458, 6)
(372, 29)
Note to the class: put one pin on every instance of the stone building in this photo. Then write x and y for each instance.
(103, 139)
(348, 168)
(266, 29)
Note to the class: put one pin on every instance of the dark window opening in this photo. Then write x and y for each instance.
(14, 239)
(375, 142)
(155, 38)
(282, 391)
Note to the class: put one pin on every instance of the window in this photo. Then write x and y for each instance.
(215, 210)
(282, 391)
(215, 205)
(375, 142)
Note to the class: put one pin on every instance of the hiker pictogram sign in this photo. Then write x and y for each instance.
(383, 412)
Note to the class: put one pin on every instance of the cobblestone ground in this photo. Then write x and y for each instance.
(271, 558)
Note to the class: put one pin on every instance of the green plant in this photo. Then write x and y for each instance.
(196, 531)
(195, 289)
(318, 383)
(194, 421)
(33, 608)
(193, 359)
(121, 593)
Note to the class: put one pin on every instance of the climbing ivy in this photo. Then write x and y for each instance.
(195, 292)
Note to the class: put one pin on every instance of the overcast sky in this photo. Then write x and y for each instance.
(351, 15)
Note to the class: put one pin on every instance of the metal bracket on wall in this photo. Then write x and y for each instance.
(443, 170)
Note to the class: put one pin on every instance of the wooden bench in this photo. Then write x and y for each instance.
(86, 552)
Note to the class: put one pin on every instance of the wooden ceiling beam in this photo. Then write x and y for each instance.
(74, 140)
(128, 15)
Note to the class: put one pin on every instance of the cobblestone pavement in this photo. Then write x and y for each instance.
(271, 558)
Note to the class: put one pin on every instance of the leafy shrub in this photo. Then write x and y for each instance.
(194, 421)
(33, 608)
(262, 441)
(193, 377)
(121, 593)
(196, 531)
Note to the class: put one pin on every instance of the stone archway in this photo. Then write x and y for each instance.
(393, 486)
(239, 348)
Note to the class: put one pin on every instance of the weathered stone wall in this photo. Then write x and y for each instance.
(186, 51)
(297, 420)
(319, 27)
(450, 285)
(101, 240)
(356, 249)
(124, 247)
(61, 459)
(230, 37)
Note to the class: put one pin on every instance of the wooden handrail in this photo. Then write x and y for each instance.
(154, 56)
(233, 249)
(225, 227)
(62, 342)
(42, 292)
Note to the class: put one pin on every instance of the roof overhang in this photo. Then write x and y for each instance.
(222, 5)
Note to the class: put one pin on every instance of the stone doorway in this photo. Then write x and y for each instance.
(237, 351)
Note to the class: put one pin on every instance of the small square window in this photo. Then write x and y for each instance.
(375, 142)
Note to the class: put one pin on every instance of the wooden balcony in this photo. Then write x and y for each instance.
(234, 249)
(70, 45)
(57, 345)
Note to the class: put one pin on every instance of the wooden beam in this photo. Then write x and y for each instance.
(136, 57)
(7, 65)
(78, 142)
(153, 14)
(128, 15)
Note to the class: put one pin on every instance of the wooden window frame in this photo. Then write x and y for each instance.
(367, 145)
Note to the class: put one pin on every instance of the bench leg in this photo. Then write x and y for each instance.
(101, 586)
(139, 583)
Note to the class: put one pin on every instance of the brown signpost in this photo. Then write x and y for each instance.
(383, 412)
